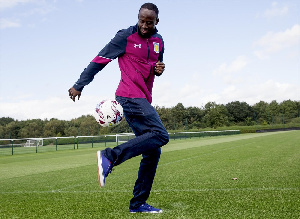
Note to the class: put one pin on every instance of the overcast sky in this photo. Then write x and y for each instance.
(219, 50)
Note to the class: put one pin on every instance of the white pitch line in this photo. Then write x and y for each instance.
(158, 190)
(229, 189)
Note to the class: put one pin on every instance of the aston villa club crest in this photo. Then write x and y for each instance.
(156, 47)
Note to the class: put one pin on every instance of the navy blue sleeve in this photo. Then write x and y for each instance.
(88, 75)
(161, 54)
(115, 48)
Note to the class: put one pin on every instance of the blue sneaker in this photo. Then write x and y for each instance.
(145, 208)
(104, 168)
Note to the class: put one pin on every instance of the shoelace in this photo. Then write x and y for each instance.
(108, 171)
(148, 206)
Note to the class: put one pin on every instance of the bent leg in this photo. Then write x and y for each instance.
(147, 126)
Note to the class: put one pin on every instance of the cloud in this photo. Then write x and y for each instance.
(40, 8)
(190, 94)
(4, 4)
(169, 93)
(163, 94)
(267, 91)
(276, 11)
(275, 42)
(235, 66)
(231, 73)
(54, 107)
(274, 90)
(5, 23)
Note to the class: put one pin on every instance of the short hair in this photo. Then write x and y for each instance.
(150, 6)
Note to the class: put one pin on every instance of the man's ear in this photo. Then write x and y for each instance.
(157, 20)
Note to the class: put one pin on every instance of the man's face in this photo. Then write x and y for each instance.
(147, 21)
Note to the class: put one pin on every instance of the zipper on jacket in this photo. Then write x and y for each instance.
(148, 50)
(148, 61)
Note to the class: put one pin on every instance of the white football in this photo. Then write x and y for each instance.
(108, 113)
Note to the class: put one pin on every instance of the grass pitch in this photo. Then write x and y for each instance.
(241, 176)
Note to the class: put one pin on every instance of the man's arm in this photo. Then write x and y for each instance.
(112, 50)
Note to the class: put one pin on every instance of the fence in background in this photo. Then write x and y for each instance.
(37, 145)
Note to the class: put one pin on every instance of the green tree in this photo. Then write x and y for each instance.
(178, 115)
(166, 117)
(12, 129)
(2, 132)
(239, 112)
(261, 112)
(32, 128)
(89, 126)
(273, 109)
(5, 120)
(290, 109)
(215, 115)
(71, 131)
(120, 128)
(195, 116)
(53, 127)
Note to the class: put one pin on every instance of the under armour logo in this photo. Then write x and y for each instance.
(138, 45)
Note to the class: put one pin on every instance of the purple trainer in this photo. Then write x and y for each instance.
(145, 208)
(104, 168)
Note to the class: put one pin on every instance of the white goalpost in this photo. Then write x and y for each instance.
(34, 142)
(124, 137)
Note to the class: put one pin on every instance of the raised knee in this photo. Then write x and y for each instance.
(164, 136)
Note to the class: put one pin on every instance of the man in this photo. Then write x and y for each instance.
(139, 50)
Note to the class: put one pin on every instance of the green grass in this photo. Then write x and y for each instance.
(193, 180)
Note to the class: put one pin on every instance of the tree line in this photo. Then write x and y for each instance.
(211, 115)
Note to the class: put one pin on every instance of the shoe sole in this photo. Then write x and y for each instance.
(100, 169)
(147, 212)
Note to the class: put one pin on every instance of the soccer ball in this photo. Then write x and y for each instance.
(108, 113)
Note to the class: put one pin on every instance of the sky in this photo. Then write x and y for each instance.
(215, 51)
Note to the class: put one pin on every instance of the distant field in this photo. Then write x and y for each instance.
(194, 180)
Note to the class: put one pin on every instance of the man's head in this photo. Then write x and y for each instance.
(147, 19)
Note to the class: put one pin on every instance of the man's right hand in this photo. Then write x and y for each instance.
(74, 93)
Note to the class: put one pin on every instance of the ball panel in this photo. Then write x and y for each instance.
(108, 113)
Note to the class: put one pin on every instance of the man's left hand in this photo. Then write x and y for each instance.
(159, 68)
